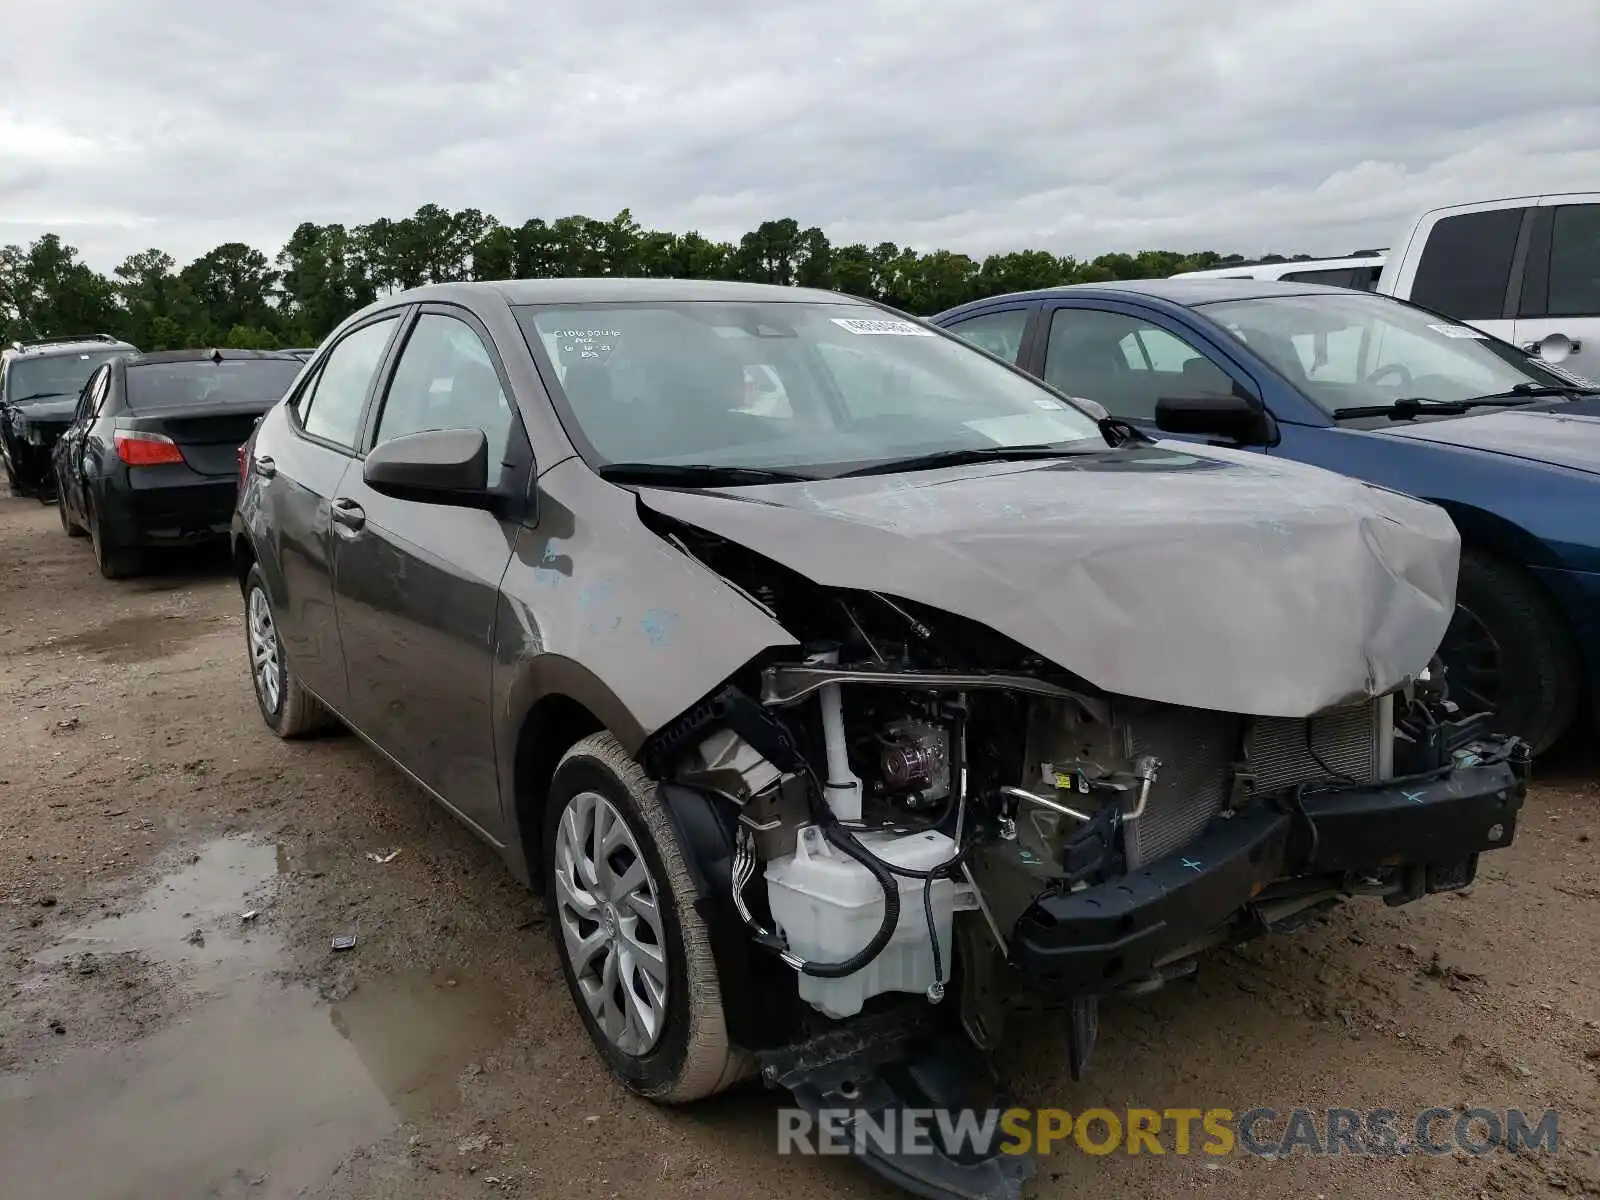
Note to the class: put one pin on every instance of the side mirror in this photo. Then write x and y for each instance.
(1219, 414)
(436, 466)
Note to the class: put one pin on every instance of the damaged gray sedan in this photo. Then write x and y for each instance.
(839, 684)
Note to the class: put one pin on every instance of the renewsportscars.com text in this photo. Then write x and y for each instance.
(1264, 1132)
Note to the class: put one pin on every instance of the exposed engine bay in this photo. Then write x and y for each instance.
(918, 804)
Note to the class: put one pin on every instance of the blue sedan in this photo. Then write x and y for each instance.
(1382, 390)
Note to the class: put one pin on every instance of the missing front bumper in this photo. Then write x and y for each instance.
(1400, 841)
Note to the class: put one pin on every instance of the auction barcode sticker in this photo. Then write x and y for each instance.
(892, 328)
(1460, 331)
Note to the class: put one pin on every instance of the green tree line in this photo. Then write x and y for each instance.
(236, 296)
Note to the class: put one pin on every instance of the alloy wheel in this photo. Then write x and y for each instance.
(1473, 663)
(265, 663)
(610, 912)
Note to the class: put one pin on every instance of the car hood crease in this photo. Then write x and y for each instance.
(1216, 580)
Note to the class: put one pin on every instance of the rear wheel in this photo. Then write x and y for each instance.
(1508, 652)
(116, 561)
(636, 955)
(68, 526)
(288, 709)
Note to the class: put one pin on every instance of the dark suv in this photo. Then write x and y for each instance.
(39, 386)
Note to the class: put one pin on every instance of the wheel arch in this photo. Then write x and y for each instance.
(1489, 533)
(243, 555)
(1512, 546)
(552, 725)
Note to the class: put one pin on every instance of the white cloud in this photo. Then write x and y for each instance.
(1273, 125)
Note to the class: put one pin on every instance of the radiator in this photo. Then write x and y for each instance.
(1198, 750)
(1352, 744)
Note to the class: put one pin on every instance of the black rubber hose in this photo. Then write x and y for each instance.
(891, 909)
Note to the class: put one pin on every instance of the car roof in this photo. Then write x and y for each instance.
(605, 289)
(50, 349)
(213, 355)
(1183, 292)
(1279, 268)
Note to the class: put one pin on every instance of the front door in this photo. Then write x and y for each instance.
(299, 473)
(418, 583)
(69, 452)
(1125, 359)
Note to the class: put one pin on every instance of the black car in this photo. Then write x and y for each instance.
(152, 454)
(39, 384)
(814, 662)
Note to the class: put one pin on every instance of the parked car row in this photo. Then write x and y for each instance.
(1524, 268)
(1506, 440)
(39, 385)
(150, 457)
(841, 677)
(838, 683)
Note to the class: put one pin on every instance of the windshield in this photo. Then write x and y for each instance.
(56, 375)
(1356, 350)
(816, 387)
(231, 381)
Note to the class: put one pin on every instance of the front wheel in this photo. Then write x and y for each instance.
(635, 953)
(1508, 652)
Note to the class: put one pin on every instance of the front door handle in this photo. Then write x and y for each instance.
(348, 513)
(265, 467)
(1574, 346)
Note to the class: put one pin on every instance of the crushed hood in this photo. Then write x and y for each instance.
(1563, 433)
(1215, 579)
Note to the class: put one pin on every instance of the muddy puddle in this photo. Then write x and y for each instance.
(259, 1087)
(139, 638)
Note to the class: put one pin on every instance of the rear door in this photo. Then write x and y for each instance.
(1003, 332)
(1558, 314)
(418, 583)
(298, 463)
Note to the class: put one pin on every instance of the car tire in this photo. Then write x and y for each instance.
(115, 561)
(288, 709)
(1509, 650)
(68, 526)
(679, 1051)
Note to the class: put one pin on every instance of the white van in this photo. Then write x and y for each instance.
(1359, 270)
(1525, 269)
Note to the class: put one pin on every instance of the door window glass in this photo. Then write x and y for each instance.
(332, 409)
(1125, 363)
(1329, 277)
(1000, 333)
(1575, 261)
(446, 380)
(1466, 264)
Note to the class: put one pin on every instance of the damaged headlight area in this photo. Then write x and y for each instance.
(924, 823)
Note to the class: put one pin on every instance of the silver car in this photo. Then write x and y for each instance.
(837, 682)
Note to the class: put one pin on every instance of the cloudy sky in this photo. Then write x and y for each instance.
(1080, 127)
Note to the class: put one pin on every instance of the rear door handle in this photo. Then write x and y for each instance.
(265, 467)
(348, 513)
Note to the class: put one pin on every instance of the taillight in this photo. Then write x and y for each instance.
(244, 461)
(138, 448)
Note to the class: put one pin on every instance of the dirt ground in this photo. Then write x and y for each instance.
(173, 1021)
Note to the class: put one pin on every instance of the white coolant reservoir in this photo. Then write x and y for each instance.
(827, 906)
